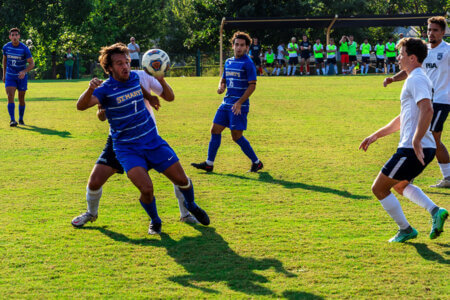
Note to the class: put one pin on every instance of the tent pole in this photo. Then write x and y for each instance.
(221, 46)
(329, 29)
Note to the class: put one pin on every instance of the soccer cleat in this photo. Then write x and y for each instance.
(203, 166)
(444, 183)
(21, 122)
(154, 228)
(403, 235)
(190, 219)
(83, 219)
(438, 220)
(199, 214)
(256, 166)
(13, 124)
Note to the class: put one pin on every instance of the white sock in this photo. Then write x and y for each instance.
(183, 210)
(335, 69)
(393, 69)
(318, 71)
(284, 70)
(278, 71)
(209, 163)
(392, 206)
(416, 195)
(445, 169)
(293, 70)
(289, 71)
(323, 71)
(93, 200)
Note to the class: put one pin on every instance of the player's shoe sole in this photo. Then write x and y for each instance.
(256, 167)
(189, 219)
(21, 122)
(203, 166)
(438, 223)
(403, 236)
(154, 228)
(444, 183)
(82, 219)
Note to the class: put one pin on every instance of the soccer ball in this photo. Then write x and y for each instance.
(156, 62)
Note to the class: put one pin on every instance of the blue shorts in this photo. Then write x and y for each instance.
(228, 119)
(159, 158)
(20, 84)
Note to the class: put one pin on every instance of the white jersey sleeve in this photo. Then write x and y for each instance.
(149, 82)
(436, 66)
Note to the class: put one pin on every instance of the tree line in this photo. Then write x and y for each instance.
(180, 27)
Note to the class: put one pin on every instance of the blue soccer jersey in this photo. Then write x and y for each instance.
(129, 120)
(237, 73)
(16, 58)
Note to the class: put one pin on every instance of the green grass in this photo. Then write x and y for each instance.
(307, 226)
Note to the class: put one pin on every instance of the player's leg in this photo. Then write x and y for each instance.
(220, 122)
(10, 92)
(240, 123)
(185, 216)
(307, 65)
(176, 174)
(381, 188)
(437, 126)
(21, 95)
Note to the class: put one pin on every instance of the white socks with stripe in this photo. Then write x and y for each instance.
(392, 206)
(183, 210)
(445, 169)
(416, 195)
(93, 200)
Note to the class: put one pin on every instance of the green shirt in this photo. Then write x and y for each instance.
(70, 59)
(318, 48)
(390, 49)
(379, 50)
(352, 48)
(365, 49)
(343, 48)
(292, 46)
(270, 57)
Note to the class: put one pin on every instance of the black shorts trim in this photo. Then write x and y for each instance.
(293, 60)
(365, 59)
(319, 60)
(331, 60)
(281, 61)
(404, 165)
(439, 116)
(134, 63)
(108, 157)
(352, 58)
(391, 59)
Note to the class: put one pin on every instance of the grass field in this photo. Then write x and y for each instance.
(307, 226)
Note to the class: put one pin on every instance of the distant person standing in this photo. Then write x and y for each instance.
(134, 50)
(255, 51)
(281, 52)
(352, 48)
(379, 52)
(343, 49)
(318, 57)
(16, 56)
(331, 57)
(69, 60)
(365, 56)
(293, 56)
(390, 55)
(305, 53)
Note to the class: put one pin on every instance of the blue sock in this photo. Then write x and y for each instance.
(189, 197)
(247, 149)
(21, 112)
(11, 108)
(214, 145)
(151, 211)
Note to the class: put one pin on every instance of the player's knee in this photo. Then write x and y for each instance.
(95, 183)
(146, 191)
(399, 189)
(236, 135)
(181, 181)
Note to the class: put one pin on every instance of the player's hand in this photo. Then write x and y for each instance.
(95, 83)
(101, 114)
(236, 109)
(221, 89)
(22, 74)
(388, 80)
(367, 141)
(154, 102)
(418, 150)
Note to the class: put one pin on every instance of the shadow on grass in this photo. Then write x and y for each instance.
(266, 177)
(438, 193)
(208, 258)
(429, 254)
(63, 134)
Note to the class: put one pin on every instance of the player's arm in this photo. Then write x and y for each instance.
(87, 99)
(222, 86)
(167, 93)
(400, 76)
(4, 67)
(30, 66)
(425, 117)
(390, 128)
(153, 100)
(236, 109)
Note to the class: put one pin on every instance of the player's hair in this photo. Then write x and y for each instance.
(107, 52)
(438, 20)
(414, 46)
(15, 29)
(242, 36)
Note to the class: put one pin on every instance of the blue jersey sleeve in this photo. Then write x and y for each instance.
(250, 70)
(27, 53)
(101, 96)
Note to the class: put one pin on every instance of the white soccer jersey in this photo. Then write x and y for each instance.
(150, 84)
(436, 66)
(280, 50)
(416, 87)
